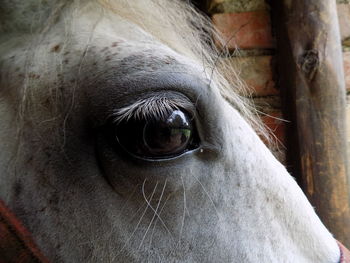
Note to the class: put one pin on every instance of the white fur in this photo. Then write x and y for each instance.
(231, 201)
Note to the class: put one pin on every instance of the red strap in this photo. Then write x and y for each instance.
(344, 253)
(16, 244)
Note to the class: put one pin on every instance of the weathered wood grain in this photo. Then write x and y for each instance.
(312, 84)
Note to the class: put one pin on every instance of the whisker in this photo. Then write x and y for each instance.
(160, 219)
(143, 214)
(155, 222)
(207, 194)
(154, 215)
(184, 210)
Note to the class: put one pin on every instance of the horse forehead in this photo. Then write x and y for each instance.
(132, 49)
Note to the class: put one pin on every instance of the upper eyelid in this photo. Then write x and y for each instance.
(156, 106)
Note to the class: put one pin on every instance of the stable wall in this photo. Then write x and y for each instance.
(246, 28)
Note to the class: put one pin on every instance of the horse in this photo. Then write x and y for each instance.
(124, 141)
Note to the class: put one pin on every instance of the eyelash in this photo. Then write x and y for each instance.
(156, 108)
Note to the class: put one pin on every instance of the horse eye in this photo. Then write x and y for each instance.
(158, 138)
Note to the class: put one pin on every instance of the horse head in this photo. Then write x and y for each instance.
(122, 141)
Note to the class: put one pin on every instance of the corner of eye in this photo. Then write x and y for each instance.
(209, 150)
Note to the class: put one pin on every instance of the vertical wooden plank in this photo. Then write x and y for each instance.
(312, 84)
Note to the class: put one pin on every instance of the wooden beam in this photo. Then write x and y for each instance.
(311, 78)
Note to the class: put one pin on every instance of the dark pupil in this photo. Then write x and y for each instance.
(156, 138)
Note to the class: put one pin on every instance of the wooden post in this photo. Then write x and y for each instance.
(311, 79)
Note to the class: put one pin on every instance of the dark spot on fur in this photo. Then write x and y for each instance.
(94, 64)
(47, 103)
(17, 188)
(33, 76)
(56, 48)
(66, 61)
(108, 58)
(169, 60)
(42, 209)
(66, 53)
(54, 199)
(104, 49)
(114, 44)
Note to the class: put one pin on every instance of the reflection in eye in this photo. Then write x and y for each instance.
(158, 138)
